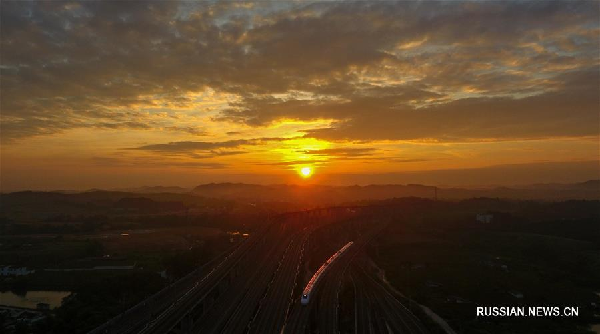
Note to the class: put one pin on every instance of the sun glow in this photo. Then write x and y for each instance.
(306, 172)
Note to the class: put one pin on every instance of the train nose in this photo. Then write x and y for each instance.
(304, 300)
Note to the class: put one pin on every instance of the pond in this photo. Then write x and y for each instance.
(31, 298)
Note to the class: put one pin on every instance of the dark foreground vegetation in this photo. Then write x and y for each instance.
(106, 272)
(530, 254)
(434, 253)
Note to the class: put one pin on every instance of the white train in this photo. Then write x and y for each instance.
(313, 281)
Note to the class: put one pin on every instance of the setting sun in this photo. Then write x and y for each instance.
(306, 172)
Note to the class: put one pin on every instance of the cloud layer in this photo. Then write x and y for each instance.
(443, 71)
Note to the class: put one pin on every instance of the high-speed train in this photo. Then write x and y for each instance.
(313, 281)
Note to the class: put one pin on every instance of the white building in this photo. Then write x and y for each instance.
(485, 218)
(15, 271)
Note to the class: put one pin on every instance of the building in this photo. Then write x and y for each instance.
(15, 271)
(516, 294)
(485, 218)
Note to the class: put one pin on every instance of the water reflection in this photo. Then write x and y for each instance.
(31, 298)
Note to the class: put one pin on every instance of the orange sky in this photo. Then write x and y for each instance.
(111, 95)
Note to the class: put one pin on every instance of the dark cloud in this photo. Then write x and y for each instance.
(147, 162)
(214, 148)
(216, 153)
(381, 70)
(191, 130)
(360, 154)
(197, 164)
(572, 111)
(191, 146)
(342, 152)
(293, 162)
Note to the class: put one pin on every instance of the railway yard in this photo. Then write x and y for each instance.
(256, 287)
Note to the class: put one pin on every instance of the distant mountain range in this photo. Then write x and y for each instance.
(228, 197)
(315, 194)
(155, 190)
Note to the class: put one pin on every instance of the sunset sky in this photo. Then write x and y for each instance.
(121, 94)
